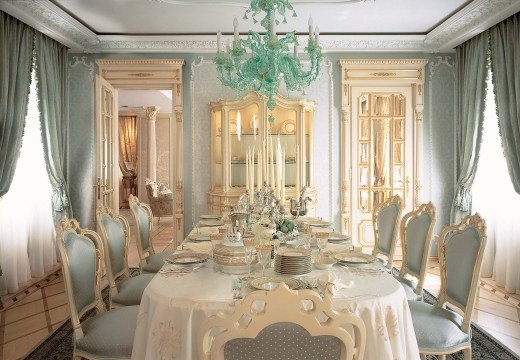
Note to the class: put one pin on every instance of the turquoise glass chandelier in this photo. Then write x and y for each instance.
(260, 63)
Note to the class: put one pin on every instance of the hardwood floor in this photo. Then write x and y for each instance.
(38, 309)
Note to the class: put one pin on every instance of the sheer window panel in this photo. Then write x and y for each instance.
(498, 203)
(27, 233)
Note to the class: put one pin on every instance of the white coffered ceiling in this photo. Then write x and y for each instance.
(191, 25)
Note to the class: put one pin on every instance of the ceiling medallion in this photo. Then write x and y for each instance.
(261, 62)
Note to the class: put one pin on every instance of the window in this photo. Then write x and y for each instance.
(27, 234)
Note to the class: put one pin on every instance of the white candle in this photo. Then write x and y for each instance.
(259, 170)
(235, 28)
(273, 31)
(295, 50)
(317, 37)
(311, 29)
(264, 160)
(239, 125)
(297, 187)
(278, 168)
(283, 177)
(271, 157)
(251, 176)
(247, 170)
(219, 36)
(267, 168)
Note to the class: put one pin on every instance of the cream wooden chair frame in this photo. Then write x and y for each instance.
(282, 305)
(470, 221)
(393, 200)
(125, 272)
(143, 253)
(423, 209)
(71, 224)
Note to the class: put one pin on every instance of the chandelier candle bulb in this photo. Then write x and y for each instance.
(283, 176)
(311, 29)
(247, 170)
(297, 185)
(235, 28)
(219, 38)
(317, 37)
(271, 158)
(254, 126)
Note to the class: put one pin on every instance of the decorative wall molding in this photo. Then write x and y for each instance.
(48, 18)
(474, 18)
(83, 61)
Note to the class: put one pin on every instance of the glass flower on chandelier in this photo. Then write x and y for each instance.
(260, 63)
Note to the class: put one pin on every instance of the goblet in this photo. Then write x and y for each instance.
(322, 239)
(264, 256)
(249, 248)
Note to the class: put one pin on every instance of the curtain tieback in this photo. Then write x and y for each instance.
(60, 199)
(463, 198)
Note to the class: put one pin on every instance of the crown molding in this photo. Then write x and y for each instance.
(48, 18)
(208, 43)
(474, 18)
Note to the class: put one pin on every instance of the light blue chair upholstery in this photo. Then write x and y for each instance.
(105, 335)
(416, 237)
(285, 341)
(385, 218)
(115, 231)
(150, 261)
(441, 331)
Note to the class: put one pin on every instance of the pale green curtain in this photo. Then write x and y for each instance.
(16, 42)
(505, 64)
(471, 91)
(51, 75)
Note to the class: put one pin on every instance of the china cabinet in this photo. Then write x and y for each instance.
(239, 126)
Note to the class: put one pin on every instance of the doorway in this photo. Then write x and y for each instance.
(137, 84)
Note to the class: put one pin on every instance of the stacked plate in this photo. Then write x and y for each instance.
(338, 238)
(187, 258)
(293, 261)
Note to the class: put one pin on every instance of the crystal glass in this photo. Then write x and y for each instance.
(263, 252)
(322, 239)
(249, 258)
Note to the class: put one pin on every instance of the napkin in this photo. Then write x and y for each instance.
(333, 284)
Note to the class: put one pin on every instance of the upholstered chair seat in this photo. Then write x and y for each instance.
(416, 238)
(440, 331)
(385, 219)
(286, 340)
(102, 335)
(124, 289)
(437, 329)
(150, 261)
(130, 291)
(154, 262)
(110, 334)
(282, 329)
(409, 289)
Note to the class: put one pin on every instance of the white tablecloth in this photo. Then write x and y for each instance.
(172, 309)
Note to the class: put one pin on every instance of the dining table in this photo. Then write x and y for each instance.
(174, 305)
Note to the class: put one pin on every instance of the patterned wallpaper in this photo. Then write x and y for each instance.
(438, 125)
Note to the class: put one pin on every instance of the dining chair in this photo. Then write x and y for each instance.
(385, 219)
(266, 324)
(150, 262)
(416, 239)
(125, 290)
(107, 334)
(441, 331)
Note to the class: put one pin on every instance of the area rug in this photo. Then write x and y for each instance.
(58, 345)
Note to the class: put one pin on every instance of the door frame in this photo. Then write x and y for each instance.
(156, 74)
(383, 73)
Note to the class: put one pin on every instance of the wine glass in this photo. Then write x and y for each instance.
(322, 239)
(249, 258)
(264, 256)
